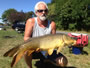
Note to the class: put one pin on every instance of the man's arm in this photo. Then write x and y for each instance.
(28, 28)
(53, 26)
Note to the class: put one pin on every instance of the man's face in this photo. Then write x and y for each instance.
(42, 12)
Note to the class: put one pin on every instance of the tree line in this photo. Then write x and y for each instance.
(68, 14)
(13, 16)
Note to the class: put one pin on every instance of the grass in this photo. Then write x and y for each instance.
(10, 38)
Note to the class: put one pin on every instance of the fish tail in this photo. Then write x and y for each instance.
(11, 52)
(16, 58)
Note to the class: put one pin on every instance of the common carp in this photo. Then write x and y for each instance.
(43, 43)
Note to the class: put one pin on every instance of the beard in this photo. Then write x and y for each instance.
(42, 17)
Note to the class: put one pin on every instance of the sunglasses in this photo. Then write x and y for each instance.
(42, 11)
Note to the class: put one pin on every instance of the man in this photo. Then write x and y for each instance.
(39, 26)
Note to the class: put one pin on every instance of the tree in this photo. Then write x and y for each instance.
(29, 15)
(51, 14)
(13, 16)
(71, 14)
(6, 14)
(16, 17)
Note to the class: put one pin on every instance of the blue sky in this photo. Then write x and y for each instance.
(25, 5)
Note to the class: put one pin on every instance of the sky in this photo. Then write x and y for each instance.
(19, 5)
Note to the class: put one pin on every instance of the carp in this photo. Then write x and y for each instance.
(43, 43)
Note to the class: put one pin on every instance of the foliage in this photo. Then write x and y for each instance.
(71, 14)
(51, 13)
(6, 14)
(14, 16)
(29, 15)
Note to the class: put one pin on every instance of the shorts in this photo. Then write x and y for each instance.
(41, 56)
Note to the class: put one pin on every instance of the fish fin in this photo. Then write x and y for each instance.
(59, 49)
(50, 51)
(16, 58)
(11, 52)
(13, 61)
(30, 51)
(38, 49)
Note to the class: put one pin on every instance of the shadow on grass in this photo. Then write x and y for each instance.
(84, 52)
(49, 65)
(6, 37)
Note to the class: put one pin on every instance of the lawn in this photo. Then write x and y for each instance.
(10, 38)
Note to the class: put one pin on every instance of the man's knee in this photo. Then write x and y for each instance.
(61, 61)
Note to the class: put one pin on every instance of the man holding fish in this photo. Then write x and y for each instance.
(40, 26)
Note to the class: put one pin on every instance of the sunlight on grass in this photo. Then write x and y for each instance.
(6, 43)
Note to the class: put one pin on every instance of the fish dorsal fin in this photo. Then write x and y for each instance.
(50, 51)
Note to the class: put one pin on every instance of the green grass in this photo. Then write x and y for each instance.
(78, 61)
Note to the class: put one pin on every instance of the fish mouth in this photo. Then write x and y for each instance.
(73, 44)
(70, 46)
